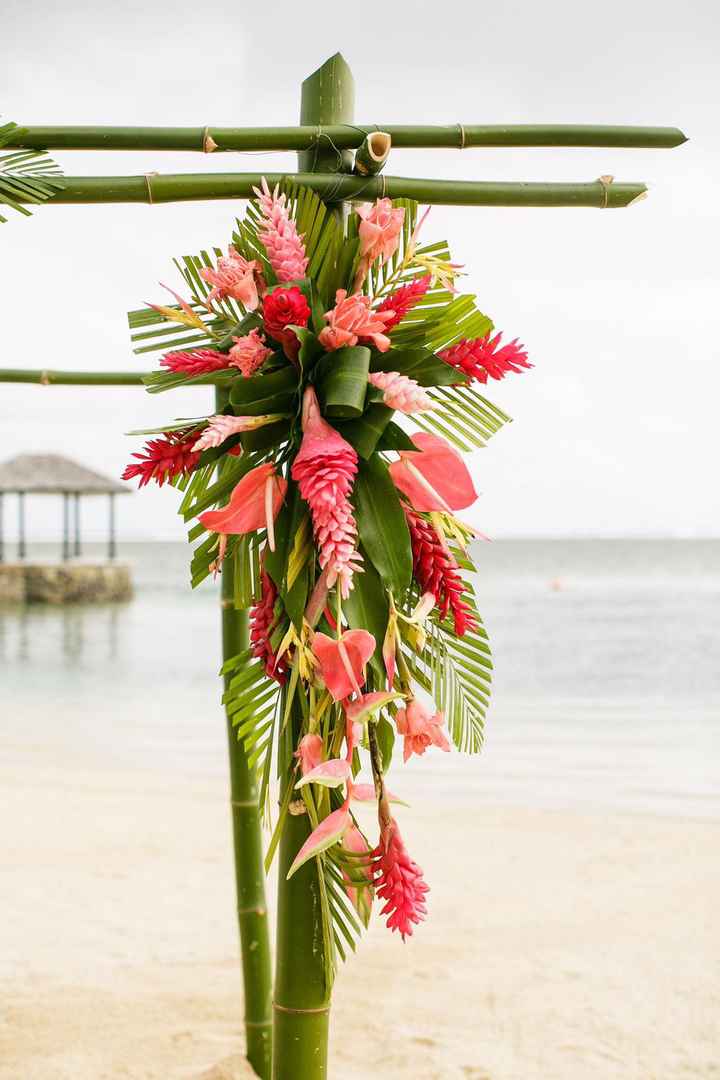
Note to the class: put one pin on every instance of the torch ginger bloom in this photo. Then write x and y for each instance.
(236, 277)
(249, 353)
(341, 661)
(420, 729)
(325, 469)
(352, 319)
(254, 504)
(401, 392)
(433, 477)
(284, 247)
(399, 882)
(162, 459)
(483, 357)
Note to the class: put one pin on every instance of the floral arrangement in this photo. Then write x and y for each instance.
(350, 367)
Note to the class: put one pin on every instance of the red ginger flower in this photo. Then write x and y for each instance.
(399, 882)
(403, 300)
(262, 623)
(325, 469)
(437, 572)
(483, 357)
(162, 459)
(282, 308)
(195, 361)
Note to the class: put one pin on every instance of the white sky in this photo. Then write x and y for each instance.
(615, 430)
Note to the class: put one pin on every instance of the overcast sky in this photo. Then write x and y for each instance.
(615, 429)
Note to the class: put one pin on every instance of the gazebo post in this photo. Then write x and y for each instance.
(111, 525)
(77, 550)
(22, 547)
(66, 526)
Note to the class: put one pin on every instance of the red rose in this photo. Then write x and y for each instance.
(284, 307)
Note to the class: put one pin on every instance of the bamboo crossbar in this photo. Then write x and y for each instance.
(179, 187)
(344, 137)
(46, 377)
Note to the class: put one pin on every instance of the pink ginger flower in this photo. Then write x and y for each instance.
(195, 361)
(483, 357)
(400, 302)
(399, 882)
(401, 392)
(285, 248)
(379, 233)
(325, 469)
(350, 320)
(249, 353)
(222, 427)
(421, 729)
(162, 459)
(236, 277)
(309, 753)
(262, 624)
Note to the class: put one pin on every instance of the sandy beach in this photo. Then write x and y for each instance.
(559, 944)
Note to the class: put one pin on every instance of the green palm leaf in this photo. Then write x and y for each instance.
(26, 176)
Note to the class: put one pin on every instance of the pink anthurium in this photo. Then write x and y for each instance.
(367, 704)
(254, 504)
(328, 832)
(342, 660)
(433, 477)
(331, 773)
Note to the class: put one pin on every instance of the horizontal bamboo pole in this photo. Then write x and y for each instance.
(179, 187)
(345, 137)
(71, 378)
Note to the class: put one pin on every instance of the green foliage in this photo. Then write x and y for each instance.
(26, 176)
(382, 525)
(341, 378)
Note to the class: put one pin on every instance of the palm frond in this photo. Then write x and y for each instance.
(26, 176)
(463, 416)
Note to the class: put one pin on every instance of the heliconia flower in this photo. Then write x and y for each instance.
(254, 504)
(401, 392)
(329, 831)
(420, 729)
(403, 300)
(341, 661)
(361, 896)
(186, 316)
(285, 248)
(367, 704)
(164, 458)
(222, 427)
(194, 362)
(262, 623)
(325, 469)
(483, 357)
(234, 276)
(249, 353)
(352, 320)
(309, 752)
(379, 233)
(281, 309)
(433, 477)
(437, 572)
(399, 882)
(367, 793)
(331, 773)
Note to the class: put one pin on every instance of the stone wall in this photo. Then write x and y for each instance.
(64, 583)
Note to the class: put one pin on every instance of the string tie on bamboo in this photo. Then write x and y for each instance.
(148, 175)
(208, 143)
(605, 181)
(461, 129)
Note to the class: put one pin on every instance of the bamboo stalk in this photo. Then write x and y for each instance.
(47, 377)
(247, 845)
(302, 995)
(371, 157)
(345, 136)
(182, 187)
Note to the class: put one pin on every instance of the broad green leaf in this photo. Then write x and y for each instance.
(419, 364)
(365, 432)
(366, 608)
(342, 381)
(381, 524)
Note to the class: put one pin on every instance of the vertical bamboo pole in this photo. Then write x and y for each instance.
(302, 996)
(247, 844)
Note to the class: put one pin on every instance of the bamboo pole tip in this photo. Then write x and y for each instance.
(379, 144)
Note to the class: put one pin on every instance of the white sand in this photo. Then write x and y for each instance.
(559, 946)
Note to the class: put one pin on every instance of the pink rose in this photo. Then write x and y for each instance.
(379, 230)
(350, 320)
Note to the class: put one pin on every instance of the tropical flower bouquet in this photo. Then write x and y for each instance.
(350, 368)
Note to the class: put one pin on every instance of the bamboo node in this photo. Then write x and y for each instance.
(208, 143)
(44, 378)
(244, 802)
(606, 181)
(461, 129)
(147, 184)
(285, 1009)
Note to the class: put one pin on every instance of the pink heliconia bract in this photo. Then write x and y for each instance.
(352, 320)
(403, 300)
(236, 277)
(399, 882)
(249, 353)
(325, 469)
(309, 752)
(420, 729)
(278, 232)
(401, 392)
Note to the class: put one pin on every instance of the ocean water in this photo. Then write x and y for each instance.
(606, 691)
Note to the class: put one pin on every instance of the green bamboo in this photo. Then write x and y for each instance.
(302, 993)
(47, 377)
(344, 136)
(247, 842)
(183, 187)
(372, 155)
